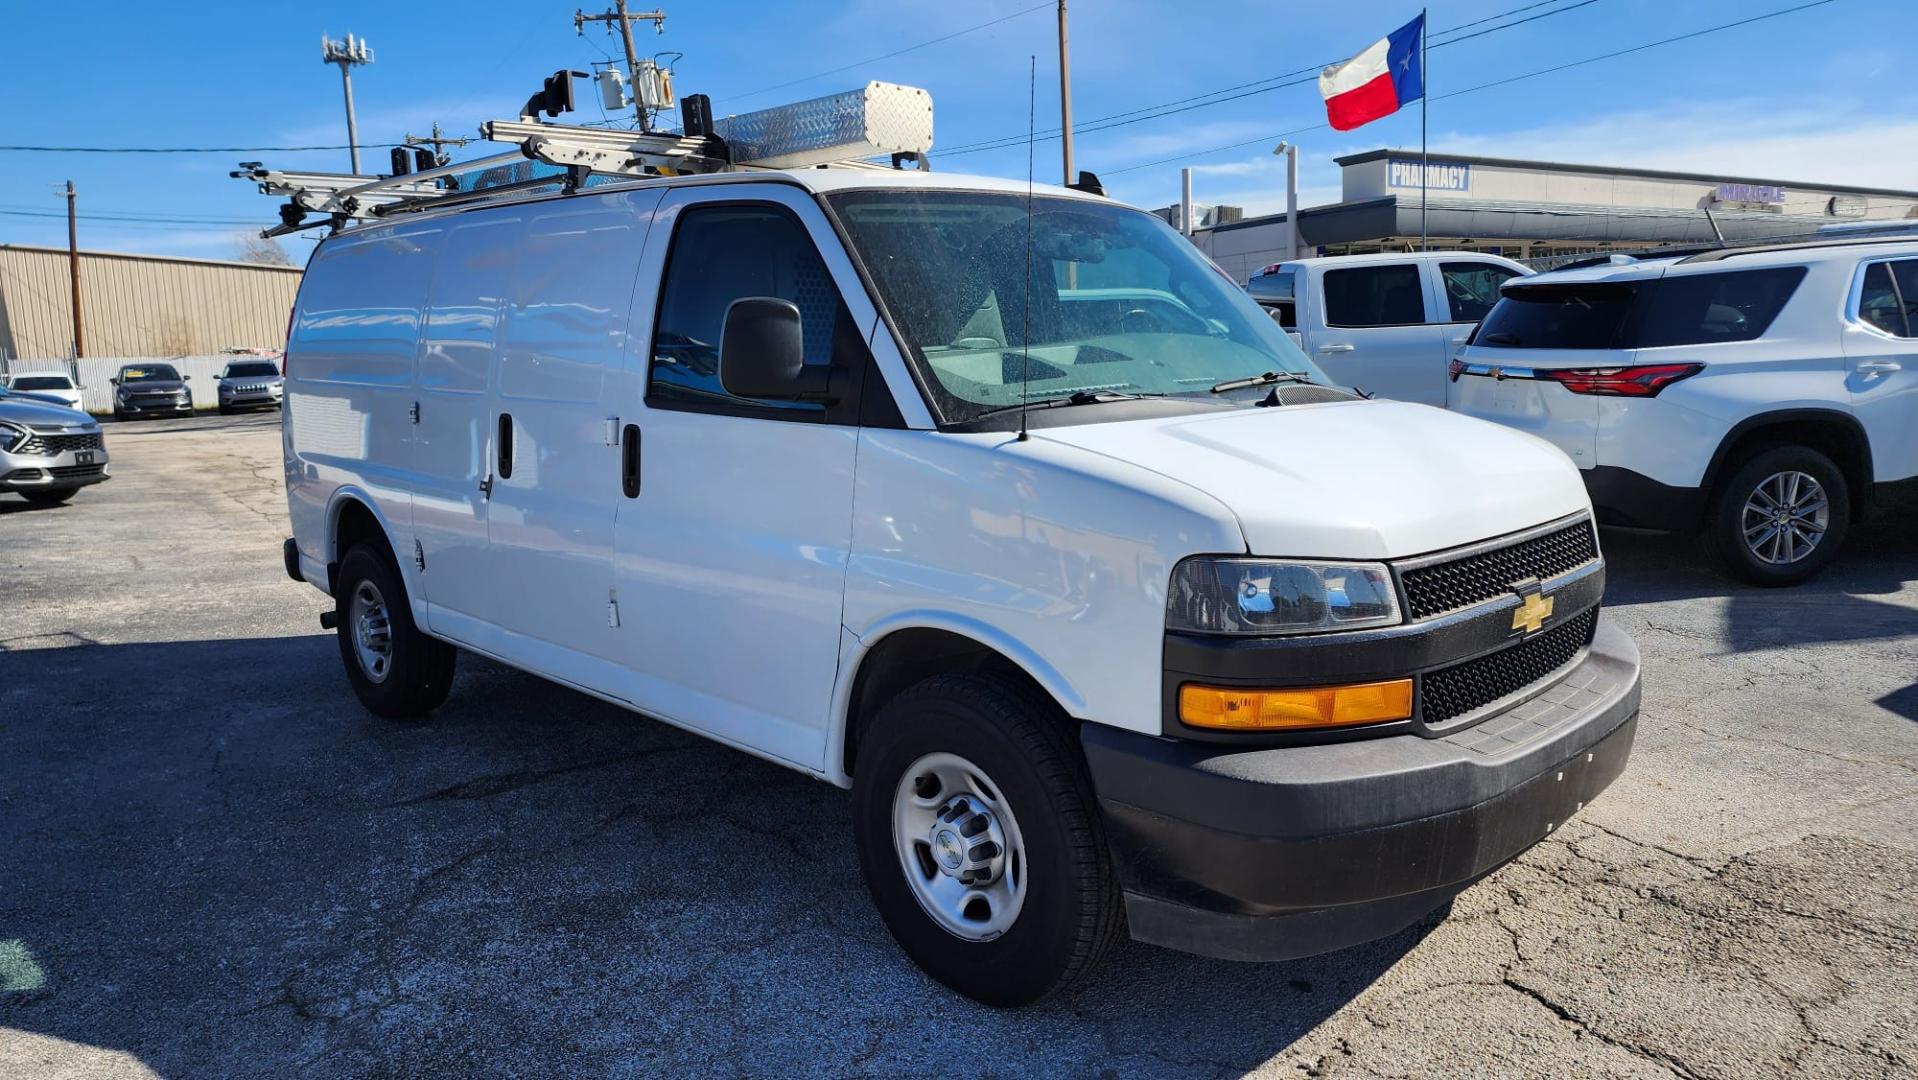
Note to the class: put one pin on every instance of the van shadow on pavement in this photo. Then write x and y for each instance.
(217, 863)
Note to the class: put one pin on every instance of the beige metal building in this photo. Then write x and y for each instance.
(140, 305)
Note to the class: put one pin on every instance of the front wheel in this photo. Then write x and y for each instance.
(1781, 517)
(396, 670)
(49, 498)
(980, 840)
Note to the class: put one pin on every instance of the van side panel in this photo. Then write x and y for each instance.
(350, 361)
(470, 280)
(561, 342)
(1035, 549)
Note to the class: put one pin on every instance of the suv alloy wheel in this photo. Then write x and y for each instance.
(1781, 517)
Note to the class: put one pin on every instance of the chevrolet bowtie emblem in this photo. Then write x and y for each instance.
(1532, 612)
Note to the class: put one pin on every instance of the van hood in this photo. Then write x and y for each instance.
(1351, 480)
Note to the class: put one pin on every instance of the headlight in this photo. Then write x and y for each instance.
(11, 436)
(1265, 596)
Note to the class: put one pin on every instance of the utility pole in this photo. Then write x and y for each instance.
(1065, 93)
(625, 19)
(347, 54)
(438, 142)
(73, 271)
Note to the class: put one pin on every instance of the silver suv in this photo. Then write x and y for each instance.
(48, 451)
(249, 384)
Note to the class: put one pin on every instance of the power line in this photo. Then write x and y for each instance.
(1497, 82)
(123, 218)
(181, 149)
(887, 56)
(1268, 84)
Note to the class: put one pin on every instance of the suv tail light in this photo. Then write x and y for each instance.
(1639, 380)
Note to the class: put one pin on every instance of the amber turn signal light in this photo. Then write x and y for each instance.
(1223, 709)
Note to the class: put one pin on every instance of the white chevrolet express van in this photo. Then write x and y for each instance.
(1195, 646)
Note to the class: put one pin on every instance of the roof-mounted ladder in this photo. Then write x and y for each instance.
(839, 129)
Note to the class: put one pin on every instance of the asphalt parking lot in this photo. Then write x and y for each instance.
(213, 862)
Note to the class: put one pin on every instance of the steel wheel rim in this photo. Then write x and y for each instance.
(371, 629)
(1785, 517)
(971, 891)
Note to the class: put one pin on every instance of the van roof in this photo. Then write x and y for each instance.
(819, 181)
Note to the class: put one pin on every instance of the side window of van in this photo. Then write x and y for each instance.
(727, 252)
(1374, 296)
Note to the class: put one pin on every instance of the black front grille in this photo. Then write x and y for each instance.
(1459, 689)
(76, 472)
(1480, 576)
(47, 445)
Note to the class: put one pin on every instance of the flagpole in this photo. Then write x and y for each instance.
(1425, 159)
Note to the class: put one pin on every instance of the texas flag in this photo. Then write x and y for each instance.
(1377, 81)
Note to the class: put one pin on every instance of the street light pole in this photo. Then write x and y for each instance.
(347, 54)
(1065, 93)
(1291, 155)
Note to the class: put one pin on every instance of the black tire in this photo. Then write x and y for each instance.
(226, 410)
(1071, 913)
(119, 417)
(1726, 527)
(418, 669)
(49, 498)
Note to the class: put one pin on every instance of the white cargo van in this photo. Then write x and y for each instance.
(1196, 645)
(1385, 323)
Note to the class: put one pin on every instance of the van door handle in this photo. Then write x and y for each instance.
(486, 487)
(1879, 367)
(505, 444)
(1336, 348)
(629, 461)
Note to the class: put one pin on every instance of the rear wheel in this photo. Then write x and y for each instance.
(980, 839)
(48, 498)
(1781, 516)
(396, 670)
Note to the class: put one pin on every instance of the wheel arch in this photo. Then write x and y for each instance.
(1836, 434)
(906, 650)
(351, 518)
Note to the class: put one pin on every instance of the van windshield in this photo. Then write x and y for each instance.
(1119, 303)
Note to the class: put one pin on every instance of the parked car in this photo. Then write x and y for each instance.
(47, 450)
(1767, 396)
(151, 390)
(47, 384)
(1386, 324)
(1076, 601)
(249, 384)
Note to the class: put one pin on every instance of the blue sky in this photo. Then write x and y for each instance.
(1820, 95)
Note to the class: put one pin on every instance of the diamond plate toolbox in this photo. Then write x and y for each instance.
(881, 118)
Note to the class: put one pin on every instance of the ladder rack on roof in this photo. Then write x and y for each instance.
(838, 129)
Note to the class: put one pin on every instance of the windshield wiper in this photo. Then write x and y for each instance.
(1500, 338)
(1266, 379)
(1077, 397)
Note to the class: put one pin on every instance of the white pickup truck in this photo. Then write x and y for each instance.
(1385, 324)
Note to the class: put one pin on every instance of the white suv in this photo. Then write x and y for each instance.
(1766, 395)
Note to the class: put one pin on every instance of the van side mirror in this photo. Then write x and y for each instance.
(762, 354)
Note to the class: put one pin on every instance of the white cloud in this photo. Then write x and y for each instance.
(1829, 143)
